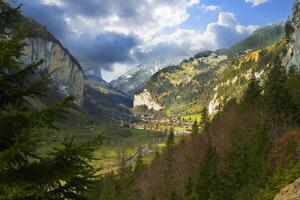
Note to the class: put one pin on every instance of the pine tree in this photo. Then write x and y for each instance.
(64, 173)
(245, 164)
(208, 182)
(139, 163)
(253, 92)
(173, 195)
(188, 188)
(277, 96)
(195, 128)
(205, 118)
(170, 141)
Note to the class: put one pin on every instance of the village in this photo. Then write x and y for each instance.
(180, 125)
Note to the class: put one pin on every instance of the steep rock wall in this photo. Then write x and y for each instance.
(67, 74)
(145, 99)
(293, 35)
(290, 192)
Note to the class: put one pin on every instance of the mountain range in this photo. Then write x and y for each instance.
(210, 78)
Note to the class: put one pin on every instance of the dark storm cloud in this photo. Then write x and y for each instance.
(105, 48)
(51, 17)
(96, 8)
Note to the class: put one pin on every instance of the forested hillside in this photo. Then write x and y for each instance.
(248, 150)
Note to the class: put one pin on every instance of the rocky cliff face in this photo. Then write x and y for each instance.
(290, 192)
(67, 74)
(293, 35)
(145, 99)
(91, 69)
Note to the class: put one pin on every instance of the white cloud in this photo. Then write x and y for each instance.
(223, 33)
(58, 3)
(256, 2)
(210, 7)
(118, 69)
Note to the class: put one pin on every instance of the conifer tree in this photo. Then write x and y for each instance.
(253, 92)
(139, 163)
(208, 183)
(195, 128)
(188, 188)
(170, 141)
(63, 173)
(277, 96)
(204, 118)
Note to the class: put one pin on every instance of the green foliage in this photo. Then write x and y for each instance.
(289, 30)
(188, 188)
(197, 118)
(208, 181)
(202, 54)
(253, 92)
(282, 176)
(205, 118)
(245, 164)
(173, 195)
(170, 141)
(277, 96)
(63, 173)
(114, 186)
(139, 163)
(195, 128)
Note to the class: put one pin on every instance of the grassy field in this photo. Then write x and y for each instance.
(191, 118)
(117, 141)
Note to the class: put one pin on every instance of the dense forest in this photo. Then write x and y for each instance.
(250, 150)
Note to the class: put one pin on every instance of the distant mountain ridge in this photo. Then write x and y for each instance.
(134, 80)
(258, 39)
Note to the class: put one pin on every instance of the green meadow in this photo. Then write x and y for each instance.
(191, 118)
(116, 142)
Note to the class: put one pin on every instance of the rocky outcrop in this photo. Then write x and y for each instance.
(290, 192)
(66, 72)
(293, 35)
(145, 99)
(91, 69)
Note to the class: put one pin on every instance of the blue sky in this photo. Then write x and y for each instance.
(118, 34)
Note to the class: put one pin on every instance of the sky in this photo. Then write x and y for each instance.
(119, 34)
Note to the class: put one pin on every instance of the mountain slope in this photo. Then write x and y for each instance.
(209, 78)
(134, 80)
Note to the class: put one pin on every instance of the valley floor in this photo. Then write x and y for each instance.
(117, 143)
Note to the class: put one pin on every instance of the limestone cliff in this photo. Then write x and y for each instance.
(145, 99)
(67, 74)
(293, 36)
(290, 192)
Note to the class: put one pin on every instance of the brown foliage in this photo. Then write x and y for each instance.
(284, 148)
(171, 171)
